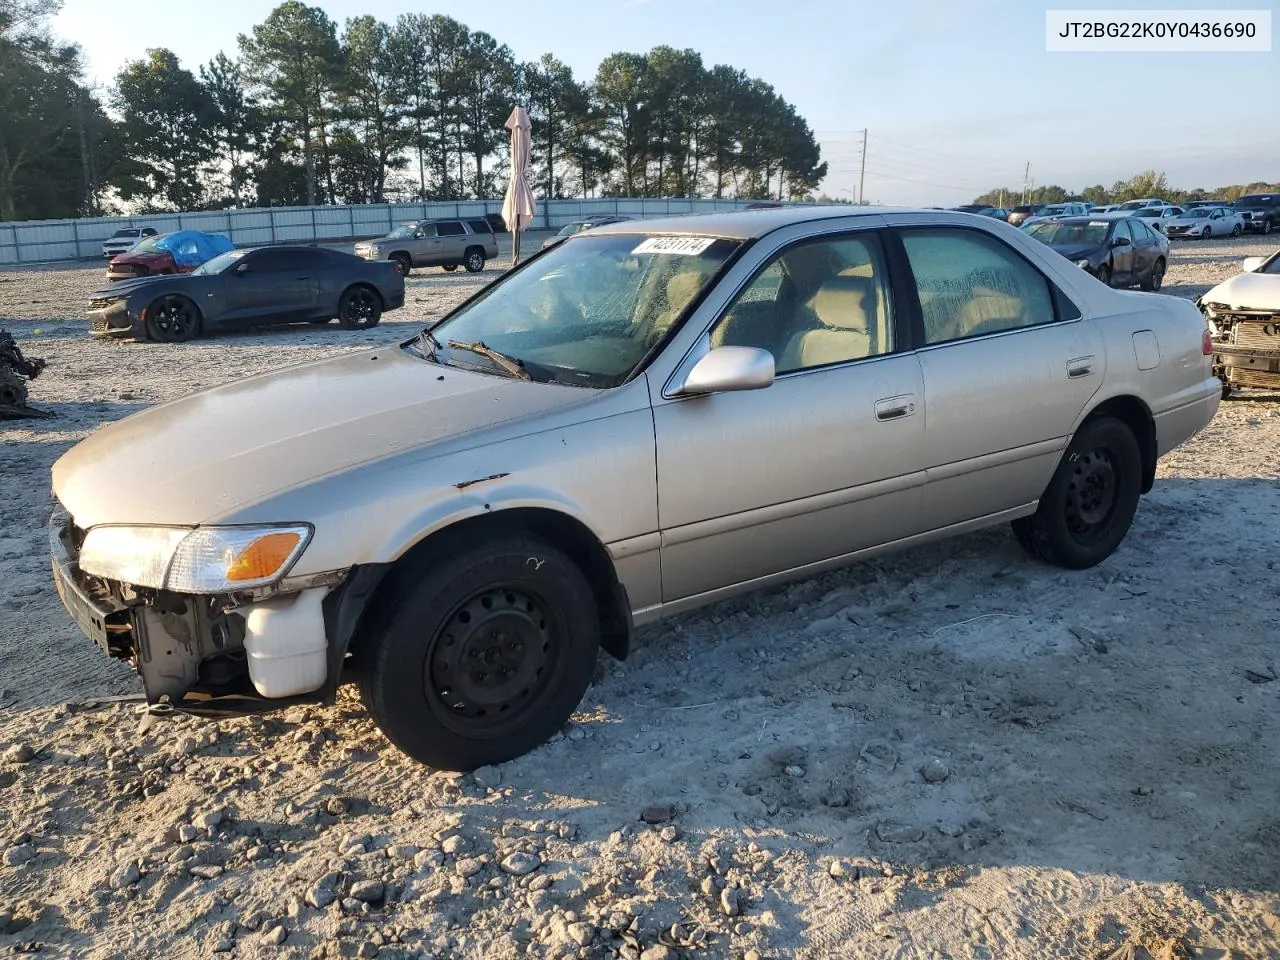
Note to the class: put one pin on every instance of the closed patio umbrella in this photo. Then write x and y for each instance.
(519, 207)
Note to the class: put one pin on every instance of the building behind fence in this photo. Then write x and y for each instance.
(44, 241)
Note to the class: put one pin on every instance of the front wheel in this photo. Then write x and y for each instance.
(474, 260)
(359, 309)
(403, 263)
(1104, 274)
(172, 319)
(1089, 504)
(450, 267)
(1156, 277)
(483, 655)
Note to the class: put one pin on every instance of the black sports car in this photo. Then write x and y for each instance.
(254, 287)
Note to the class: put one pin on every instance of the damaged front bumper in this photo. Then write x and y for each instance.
(218, 655)
(1246, 346)
(111, 318)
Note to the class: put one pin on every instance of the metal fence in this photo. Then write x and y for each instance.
(44, 241)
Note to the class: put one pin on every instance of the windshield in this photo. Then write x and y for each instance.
(219, 263)
(586, 313)
(147, 245)
(1061, 234)
(1255, 200)
(403, 232)
(1133, 205)
(1053, 209)
(573, 228)
(121, 234)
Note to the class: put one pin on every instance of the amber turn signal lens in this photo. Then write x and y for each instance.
(263, 557)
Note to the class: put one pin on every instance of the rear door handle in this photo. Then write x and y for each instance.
(895, 408)
(1079, 367)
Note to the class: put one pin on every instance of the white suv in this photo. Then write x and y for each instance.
(123, 241)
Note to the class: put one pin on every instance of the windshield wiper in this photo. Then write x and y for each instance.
(427, 338)
(509, 364)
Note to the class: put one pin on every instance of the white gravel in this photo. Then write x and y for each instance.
(953, 752)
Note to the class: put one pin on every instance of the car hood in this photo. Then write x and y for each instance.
(150, 257)
(196, 459)
(1185, 220)
(1075, 251)
(1250, 291)
(123, 288)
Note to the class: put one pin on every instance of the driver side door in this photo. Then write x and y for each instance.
(269, 285)
(1122, 254)
(823, 462)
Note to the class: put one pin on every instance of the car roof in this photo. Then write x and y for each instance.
(753, 224)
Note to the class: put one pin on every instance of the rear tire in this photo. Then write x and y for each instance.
(359, 308)
(1156, 277)
(474, 260)
(482, 655)
(1089, 504)
(450, 267)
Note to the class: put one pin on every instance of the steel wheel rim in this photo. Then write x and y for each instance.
(173, 319)
(360, 304)
(1092, 495)
(489, 665)
(475, 262)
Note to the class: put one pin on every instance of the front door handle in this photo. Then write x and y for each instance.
(895, 408)
(1079, 367)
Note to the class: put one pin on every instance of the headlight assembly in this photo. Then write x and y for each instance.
(203, 560)
(1082, 264)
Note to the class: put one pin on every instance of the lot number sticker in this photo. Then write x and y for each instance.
(682, 246)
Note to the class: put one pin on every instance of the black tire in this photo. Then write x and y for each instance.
(1104, 274)
(359, 308)
(172, 319)
(1235, 231)
(473, 260)
(1089, 504)
(403, 263)
(450, 267)
(1156, 277)
(1266, 225)
(508, 605)
(1227, 389)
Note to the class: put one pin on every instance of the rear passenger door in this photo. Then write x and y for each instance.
(1122, 254)
(453, 241)
(1008, 366)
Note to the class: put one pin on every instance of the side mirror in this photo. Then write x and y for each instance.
(1253, 263)
(729, 368)
(418, 235)
(1120, 242)
(240, 269)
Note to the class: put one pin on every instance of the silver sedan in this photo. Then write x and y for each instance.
(1205, 222)
(649, 417)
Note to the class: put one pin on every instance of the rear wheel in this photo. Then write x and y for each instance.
(1156, 277)
(474, 260)
(1089, 504)
(359, 308)
(483, 655)
(172, 319)
(1104, 274)
(403, 263)
(1235, 231)
(450, 267)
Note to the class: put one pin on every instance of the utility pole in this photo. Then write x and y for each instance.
(862, 176)
(1026, 174)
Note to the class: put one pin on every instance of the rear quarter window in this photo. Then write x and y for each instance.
(479, 226)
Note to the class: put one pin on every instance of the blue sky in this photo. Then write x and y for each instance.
(957, 97)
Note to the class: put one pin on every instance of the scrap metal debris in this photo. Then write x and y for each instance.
(15, 371)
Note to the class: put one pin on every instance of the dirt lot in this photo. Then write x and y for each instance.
(951, 753)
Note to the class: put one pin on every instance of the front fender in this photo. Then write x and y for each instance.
(480, 497)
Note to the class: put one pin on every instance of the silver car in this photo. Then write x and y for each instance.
(447, 243)
(655, 416)
(1205, 222)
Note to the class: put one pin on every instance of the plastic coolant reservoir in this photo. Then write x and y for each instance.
(285, 643)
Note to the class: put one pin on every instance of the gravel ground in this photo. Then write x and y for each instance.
(954, 752)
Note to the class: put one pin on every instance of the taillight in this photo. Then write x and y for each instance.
(1206, 343)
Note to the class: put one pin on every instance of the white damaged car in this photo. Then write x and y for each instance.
(1244, 320)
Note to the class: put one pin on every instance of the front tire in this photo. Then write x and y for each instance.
(359, 308)
(483, 655)
(1089, 504)
(403, 263)
(450, 267)
(172, 319)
